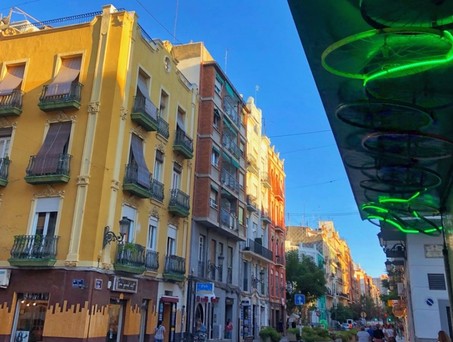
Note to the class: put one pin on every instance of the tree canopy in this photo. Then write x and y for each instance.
(305, 277)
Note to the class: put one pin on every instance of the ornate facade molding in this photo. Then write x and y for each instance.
(123, 113)
(94, 107)
(70, 263)
(83, 180)
(50, 191)
(115, 184)
(154, 212)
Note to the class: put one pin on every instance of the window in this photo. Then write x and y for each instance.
(201, 247)
(143, 101)
(158, 165)
(216, 119)
(245, 275)
(11, 82)
(68, 73)
(171, 240)
(213, 198)
(436, 281)
(128, 231)
(45, 218)
(241, 148)
(176, 180)
(163, 107)
(5, 141)
(181, 119)
(215, 157)
(241, 215)
(52, 155)
(137, 171)
(31, 309)
(152, 233)
(218, 84)
(241, 180)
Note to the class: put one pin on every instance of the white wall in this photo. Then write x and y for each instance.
(426, 318)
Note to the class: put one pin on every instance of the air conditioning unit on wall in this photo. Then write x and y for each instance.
(217, 332)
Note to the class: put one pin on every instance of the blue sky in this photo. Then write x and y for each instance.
(256, 43)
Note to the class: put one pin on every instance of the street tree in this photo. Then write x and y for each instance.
(303, 276)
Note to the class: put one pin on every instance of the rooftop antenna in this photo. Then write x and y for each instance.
(226, 60)
(18, 10)
(257, 89)
(176, 21)
(4, 21)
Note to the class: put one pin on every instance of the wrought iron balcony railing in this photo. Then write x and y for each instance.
(152, 260)
(231, 146)
(11, 104)
(145, 113)
(162, 127)
(34, 250)
(157, 190)
(259, 249)
(130, 257)
(48, 169)
(71, 99)
(179, 203)
(175, 267)
(131, 182)
(4, 167)
(183, 144)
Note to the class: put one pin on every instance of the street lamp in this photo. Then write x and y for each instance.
(110, 236)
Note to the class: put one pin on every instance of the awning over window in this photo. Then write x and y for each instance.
(49, 155)
(169, 299)
(68, 73)
(143, 175)
(150, 108)
(12, 80)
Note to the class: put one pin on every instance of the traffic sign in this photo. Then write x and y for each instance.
(299, 299)
(363, 314)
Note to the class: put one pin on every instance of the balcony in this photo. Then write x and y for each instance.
(48, 169)
(162, 127)
(131, 183)
(69, 100)
(280, 261)
(279, 228)
(252, 165)
(183, 144)
(130, 258)
(33, 251)
(11, 104)
(251, 203)
(151, 260)
(259, 249)
(265, 180)
(157, 190)
(179, 203)
(144, 113)
(175, 268)
(230, 107)
(265, 217)
(228, 219)
(230, 181)
(4, 167)
(231, 146)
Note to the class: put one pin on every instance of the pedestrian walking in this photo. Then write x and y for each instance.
(363, 336)
(159, 332)
(443, 337)
(378, 334)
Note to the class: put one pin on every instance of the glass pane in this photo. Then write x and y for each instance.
(30, 323)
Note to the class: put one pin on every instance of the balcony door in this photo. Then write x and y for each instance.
(5, 141)
(45, 217)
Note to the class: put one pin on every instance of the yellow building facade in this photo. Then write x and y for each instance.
(96, 177)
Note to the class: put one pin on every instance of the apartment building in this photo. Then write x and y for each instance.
(219, 203)
(273, 215)
(97, 128)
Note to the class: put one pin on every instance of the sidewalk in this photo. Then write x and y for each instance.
(284, 339)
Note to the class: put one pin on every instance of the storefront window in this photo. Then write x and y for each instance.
(30, 317)
(115, 321)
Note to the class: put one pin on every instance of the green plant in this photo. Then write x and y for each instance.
(271, 333)
(317, 334)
